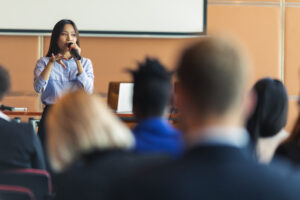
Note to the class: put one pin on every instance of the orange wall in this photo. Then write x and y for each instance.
(255, 23)
(18, 54)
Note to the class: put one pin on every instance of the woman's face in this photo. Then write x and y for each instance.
(68, 35)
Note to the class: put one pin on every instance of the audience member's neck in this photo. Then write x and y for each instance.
(194, 125)
(143, 118)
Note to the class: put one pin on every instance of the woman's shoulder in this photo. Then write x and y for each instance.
(44, 58)
(86, 61)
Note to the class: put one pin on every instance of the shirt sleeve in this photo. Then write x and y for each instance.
(86, 78)
(39, 82)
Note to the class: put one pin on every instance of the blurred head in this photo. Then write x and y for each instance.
(4, 82)
(64, 32)
(212, 82)
(80, 123)
(270, 114)
(152, 89)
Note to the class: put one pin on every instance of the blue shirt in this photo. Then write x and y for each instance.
(62, 79)
(156, 135)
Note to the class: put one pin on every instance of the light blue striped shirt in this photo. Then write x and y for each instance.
(62, 79)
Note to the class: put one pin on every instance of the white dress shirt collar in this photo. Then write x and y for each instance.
(222, 135)
(4, 116)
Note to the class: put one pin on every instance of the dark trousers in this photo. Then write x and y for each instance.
(42, 126)
(43, 136)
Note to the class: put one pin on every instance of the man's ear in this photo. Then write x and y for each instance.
(182, 100)
(250, 103)
(178, 95)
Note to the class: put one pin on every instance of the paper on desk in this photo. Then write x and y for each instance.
(125, 98)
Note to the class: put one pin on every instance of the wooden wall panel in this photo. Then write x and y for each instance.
(292, 50)
(257, 27)
(19, 54)
(292, 1)
(292, 114)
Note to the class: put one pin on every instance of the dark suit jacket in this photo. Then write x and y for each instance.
(93, 175)
(211, 172)
(19, 146)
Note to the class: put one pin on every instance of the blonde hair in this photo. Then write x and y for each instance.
(79, 123)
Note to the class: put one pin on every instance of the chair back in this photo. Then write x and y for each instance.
(38, 181)
(10, 192)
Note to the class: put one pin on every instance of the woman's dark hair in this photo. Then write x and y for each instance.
(4, 82)
(270, 114)
(295, 134)
(58, 28)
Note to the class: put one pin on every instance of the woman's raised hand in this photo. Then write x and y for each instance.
(58, 58)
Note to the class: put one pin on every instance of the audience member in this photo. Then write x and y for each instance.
(88, 147)
(290, 149)
(266, 125)
(151, 97)
(19, 145)
(214, 104)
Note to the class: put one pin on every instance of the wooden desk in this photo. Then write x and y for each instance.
(124, 117)
(128, 119)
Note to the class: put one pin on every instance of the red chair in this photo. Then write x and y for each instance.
(38, 181)
(9, 192)
(36, 172)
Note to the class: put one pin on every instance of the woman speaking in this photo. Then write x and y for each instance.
(62, 69)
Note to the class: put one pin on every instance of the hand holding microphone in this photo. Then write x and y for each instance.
(74, 50)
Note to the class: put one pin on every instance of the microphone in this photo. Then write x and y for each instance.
(4, 107)
(74, 52)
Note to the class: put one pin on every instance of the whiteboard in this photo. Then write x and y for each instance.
(106, 16)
